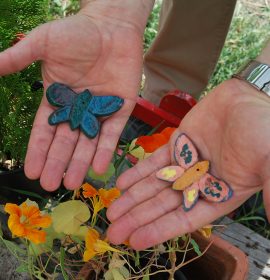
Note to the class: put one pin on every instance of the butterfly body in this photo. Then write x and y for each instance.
(192, 177)
(80, 110)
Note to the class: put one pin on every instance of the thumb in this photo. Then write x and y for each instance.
(21, 54)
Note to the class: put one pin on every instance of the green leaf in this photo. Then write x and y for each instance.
(38, 249)
(117, 270)
(104, 177)
(195, 247)
(81, 233)
(22, 268)
(14, 248)
(28, 193)
(62, 263)
(258, 218)
(117, 274)
(146, 276)
(69, 216)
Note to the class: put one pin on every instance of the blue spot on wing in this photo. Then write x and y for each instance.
(90, 125)
(60, 95)
(186, 154)
(102, 106)
(60, 115)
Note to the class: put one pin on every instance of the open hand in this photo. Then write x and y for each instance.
(93, 50)
(230, 128)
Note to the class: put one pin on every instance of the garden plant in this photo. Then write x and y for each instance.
(67, 235)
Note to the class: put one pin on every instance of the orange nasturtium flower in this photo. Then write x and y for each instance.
(152, 142)
(99, 198)
(108, 196)
(105, 196)
(95, 246)
(27, 221)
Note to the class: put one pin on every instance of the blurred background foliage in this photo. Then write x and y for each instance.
(18, 101)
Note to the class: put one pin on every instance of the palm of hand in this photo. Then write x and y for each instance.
(229, 128)
(81, 52)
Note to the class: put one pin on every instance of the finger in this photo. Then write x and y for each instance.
(40, 140)
(21, 54)
(179, 222)
(111, 130)
(58, 157)
(80, 162)
(143, 190)
(157, 160)
(164, 202)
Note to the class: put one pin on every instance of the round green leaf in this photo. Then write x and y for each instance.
(69, 216)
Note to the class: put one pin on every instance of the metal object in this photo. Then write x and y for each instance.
(257, 74)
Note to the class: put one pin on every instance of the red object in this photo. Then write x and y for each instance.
(19, 37)
(172, 109)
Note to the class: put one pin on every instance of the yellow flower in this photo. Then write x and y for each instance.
(97, 205)
(26, 221)
(206, 231)
(95, 246)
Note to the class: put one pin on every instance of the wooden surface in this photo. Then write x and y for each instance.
(256, 247)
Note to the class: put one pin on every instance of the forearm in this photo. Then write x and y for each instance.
(135, 12)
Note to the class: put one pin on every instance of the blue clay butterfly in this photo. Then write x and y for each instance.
(80, 109)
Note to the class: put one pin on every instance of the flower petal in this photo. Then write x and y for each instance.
(108, 196)
(89, 190)
(206, 231)
(41, 221)
(167, 132)
(29, 211)
(36, 236)
(152, 142)
(15, 226)
(88, 255)
(90, 238)
(11, 208)
(101, 247)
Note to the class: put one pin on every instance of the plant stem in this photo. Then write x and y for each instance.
(172, 257)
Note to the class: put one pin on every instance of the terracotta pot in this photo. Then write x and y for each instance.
(222, 261)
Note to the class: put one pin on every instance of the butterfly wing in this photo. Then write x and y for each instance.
(102, 106)
(90, 125)
(190, 196)
(214, 189)
(60, 95)
(60, 115)
(185, 153)
(170, 173)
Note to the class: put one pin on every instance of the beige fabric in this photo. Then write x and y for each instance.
(185, 51)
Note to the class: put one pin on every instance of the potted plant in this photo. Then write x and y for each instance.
(67, 238)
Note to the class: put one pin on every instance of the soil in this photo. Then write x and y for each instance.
(8, 265)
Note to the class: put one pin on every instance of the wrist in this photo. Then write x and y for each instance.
(132, 12)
